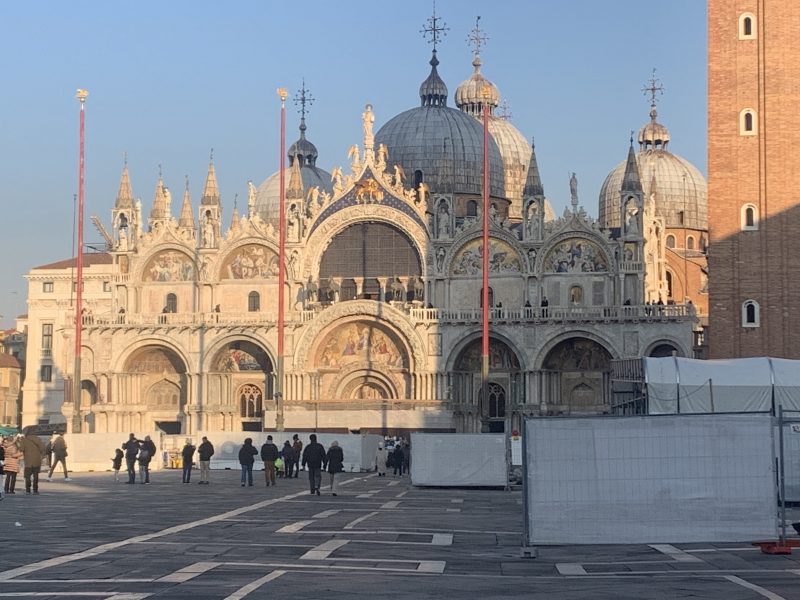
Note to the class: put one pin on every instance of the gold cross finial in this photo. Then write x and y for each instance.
(303, 99)
(434, 28)
(477, 37)
(654, 88)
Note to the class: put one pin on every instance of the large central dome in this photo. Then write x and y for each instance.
(441, 146)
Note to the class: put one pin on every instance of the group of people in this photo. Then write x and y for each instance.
(26, 452)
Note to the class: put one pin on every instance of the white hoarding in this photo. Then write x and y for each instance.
(652, 479)
(459, 459)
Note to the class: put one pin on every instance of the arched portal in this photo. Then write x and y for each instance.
(503, 390)
(576, 377)
(162, 386)
(241, 381)
(664, 349)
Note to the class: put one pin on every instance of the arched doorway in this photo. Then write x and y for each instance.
(504, 387)
(576, 377)
(664, 349)
(162, 384)
(241, 376)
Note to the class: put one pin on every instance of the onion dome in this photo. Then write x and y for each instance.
(433, 91)
(476, 91)
(679, 189)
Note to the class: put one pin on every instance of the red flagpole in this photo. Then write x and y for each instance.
(76, 383)
(485, 291)
(282, 93)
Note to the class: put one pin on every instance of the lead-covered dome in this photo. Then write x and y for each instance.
(681, 192)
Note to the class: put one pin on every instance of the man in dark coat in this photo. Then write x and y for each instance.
(147, 450)
(131, 448)
(398, 458)
(246, 459)
(204, 453)
(297, 445)
(59, 450)
(335, 462)
(314, 457)
(269, 454)
(187, 454)
(287, 452)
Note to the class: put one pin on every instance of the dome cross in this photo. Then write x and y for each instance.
(303, 100)
(477, 37)
(434, 29)
(654, 88)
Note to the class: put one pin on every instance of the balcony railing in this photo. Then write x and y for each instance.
(554, 314)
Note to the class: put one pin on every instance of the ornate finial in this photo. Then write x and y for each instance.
(236, 201)
(631, 138)
(160, 175)
(653, 89)
(186, 177)
(125, 158)
(434, 29)
(504, 111)
(283, 93)
(303, 99)
(533, 142)
(477, 38)
(81, 95)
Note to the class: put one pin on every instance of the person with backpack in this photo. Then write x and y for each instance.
(297, 445)
(247, 455)
(269, 454)
(204, 453)
(187, 454)
(131, 448)
(146, 454)
(287, 452)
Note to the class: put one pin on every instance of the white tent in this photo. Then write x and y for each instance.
(684, 385)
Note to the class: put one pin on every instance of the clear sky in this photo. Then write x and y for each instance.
(168, 81)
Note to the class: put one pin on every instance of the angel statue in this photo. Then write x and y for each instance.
(336, 178)
(399, 175)
(383, 154)
(251, 198)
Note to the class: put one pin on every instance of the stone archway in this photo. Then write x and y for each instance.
(576, 375)
(159, 381)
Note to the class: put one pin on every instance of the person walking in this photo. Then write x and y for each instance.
(59, 449)
(11, 466)
(314, 457)
(204, 453)
(269, 454)
(116, 463)
(32, 450)
(131, 448)
(48, 449)
(381, 457)
(146, 453)
(247, 455)
(398, 458)
(297, 445)
(335, 462)
(188, 460)
(287, 452)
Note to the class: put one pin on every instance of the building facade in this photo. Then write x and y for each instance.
(383, 292)
(753, 160)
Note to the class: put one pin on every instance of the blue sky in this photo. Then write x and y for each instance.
(170, 80)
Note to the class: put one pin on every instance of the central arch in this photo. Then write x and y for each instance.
(161, 382)
(576, 373)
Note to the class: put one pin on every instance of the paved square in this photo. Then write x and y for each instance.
(379, 538)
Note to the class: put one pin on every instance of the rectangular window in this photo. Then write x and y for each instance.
(46, 373)
(47, 336)
(106, 286)
(598, 293)
(75, 287)
(47, 287)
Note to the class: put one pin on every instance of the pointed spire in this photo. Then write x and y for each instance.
(125, 193)
(533, 182)
(631, 181)
(211, 191)
(187, 217)
(159, 209)
(295, 188)
(235, 215)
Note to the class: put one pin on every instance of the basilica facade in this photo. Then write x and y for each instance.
(383, 292)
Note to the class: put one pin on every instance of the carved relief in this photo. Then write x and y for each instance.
(169, 265)
(252, 261)
(502, 258)
(576, 255)
(359, 342)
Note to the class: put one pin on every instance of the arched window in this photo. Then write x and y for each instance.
(418, 178)
(690, 243)
(670, 241)
(747, 122)
(669, 284)
(747, 29)
(253, 302)
(472, 208)
(491, 298)
(250, 401)
(171, 305)
(497, 401)
(576, 295)
(749, 217)
(751, 314)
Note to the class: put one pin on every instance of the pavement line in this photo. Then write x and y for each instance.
(355, 522)
(126, 596)
(442, 539)
(752, 586)
(324, 550)
(457, 501)
(138, 580)
(570, 569)
(52, 594)
(401, 494)
(675, 553)
(103, 548)
(326, 513)
(251, 587)
(431, 566)
(187, 573)
(294, 527)
(706, 550)
(391, 504)
(367, 495)
(394, 483)
(301, 567)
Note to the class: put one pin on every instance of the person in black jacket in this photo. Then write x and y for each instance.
(188, 460)
(246, 458)
(314, 457)
(116, 463)
(131, 448)
(204, 453)
(335, 462)
(269, 454)
(398, 458)
(147, 450)
(287, 452)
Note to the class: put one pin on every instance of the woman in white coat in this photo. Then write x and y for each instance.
(381, 456)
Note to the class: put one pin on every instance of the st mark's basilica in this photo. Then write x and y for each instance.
(383, 286)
